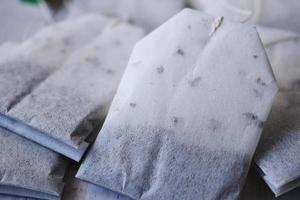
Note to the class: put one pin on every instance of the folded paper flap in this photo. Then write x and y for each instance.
(28, 165)
(189, 110)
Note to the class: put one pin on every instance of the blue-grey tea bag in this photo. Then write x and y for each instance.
(278, 154)
(35, 59)
(63, 110)
(28, 169)
(188, 113)
(255, 188)
(26, 65)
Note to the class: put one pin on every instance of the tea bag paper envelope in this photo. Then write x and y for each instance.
(273, 13)
(67, 106)
(28, 169)
(283, 49)
(277, 156)
(145, 13)
(41, 55)
(188, 113)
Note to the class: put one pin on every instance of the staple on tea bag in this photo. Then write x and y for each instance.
(65, 108)
(145, 13)
(278, 154)
(283, 50)
(273, 13)
(29, 170)
(188, 113)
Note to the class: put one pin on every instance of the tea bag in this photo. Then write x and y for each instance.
(188, 113)
(283, 50)
(144, 13)
(24, 67)
(278, 155)
(273, 13)
(65, 108)
(255, 188)
(38, 57)
(29, 170)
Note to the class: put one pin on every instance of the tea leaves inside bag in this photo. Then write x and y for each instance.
(188, 113)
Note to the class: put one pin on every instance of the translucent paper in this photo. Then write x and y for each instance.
(188, 113)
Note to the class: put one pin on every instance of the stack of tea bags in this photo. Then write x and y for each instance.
(87, 76)
(187, 116)
(28, 169)
(87, 82)
(23, 68)
(186, 119)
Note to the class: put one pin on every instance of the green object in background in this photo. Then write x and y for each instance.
(36, 2)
